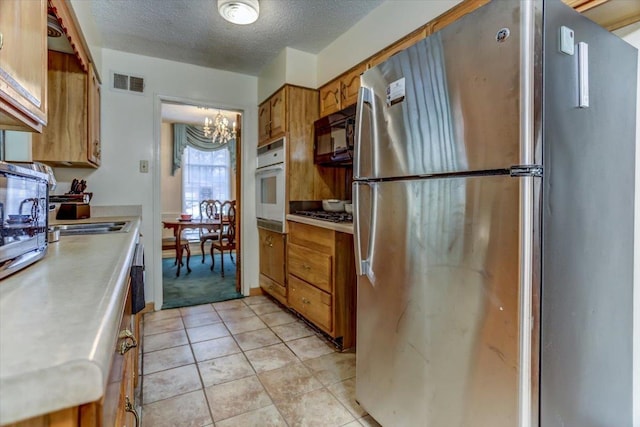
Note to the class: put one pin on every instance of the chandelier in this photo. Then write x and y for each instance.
(218, 129)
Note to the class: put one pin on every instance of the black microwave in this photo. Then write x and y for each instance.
(334, 137)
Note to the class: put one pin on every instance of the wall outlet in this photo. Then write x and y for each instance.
(144, 166)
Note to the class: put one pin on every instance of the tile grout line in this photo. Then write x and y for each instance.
(243, 352)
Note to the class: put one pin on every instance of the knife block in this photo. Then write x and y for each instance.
(73, 211)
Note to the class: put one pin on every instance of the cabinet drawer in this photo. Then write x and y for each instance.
(274, 289)
(311, 302)
(320, 239)
(311, 266)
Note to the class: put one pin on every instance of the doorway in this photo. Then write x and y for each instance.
(197, 166)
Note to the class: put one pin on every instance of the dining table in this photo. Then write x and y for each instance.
(178, 225)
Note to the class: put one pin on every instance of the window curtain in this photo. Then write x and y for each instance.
(193, 136)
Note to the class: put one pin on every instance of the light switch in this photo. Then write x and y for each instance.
(566, 40)
(144, 166)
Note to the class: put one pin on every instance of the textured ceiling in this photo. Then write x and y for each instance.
(192, 114)
(193, 32)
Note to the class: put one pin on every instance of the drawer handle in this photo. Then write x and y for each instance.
(128, 407)
(127, 345)
(1, 41)
(305, 301)
(306, 267)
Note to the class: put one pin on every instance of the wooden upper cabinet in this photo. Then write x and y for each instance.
(272, 117)
(72, 135)
(398, 46)
(264, 117)
(349, 86)
(64, 141)
(23, 64)
(278, 114)
(341, 92)
(94, 145)
(330, 98)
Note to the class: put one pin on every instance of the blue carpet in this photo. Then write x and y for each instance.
(201, 286)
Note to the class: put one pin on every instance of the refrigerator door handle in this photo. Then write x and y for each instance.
(363, 106)
(362, 229)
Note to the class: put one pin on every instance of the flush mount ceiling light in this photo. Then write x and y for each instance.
(241, 12)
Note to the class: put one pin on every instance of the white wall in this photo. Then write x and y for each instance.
(171, 185)
(632, 35)
(17, 146)
(131, 130)
(82, 10)
(290, 66)
(389, 22)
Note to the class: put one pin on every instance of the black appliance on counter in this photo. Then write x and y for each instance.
(333, 138)
(24, 201)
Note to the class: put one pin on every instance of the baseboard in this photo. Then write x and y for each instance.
(149, 307)
(255, 291)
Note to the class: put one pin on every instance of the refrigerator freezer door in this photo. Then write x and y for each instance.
(588, 224)
(450, 103)
(438, 317)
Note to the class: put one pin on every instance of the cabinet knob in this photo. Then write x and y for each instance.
(128, 407)
(305, 301)
(129, 341)
(306, 267)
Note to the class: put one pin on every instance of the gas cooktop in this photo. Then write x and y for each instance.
(327, 216)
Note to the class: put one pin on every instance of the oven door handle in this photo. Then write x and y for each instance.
(266, 169)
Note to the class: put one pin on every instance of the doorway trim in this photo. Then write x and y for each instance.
(156, 250)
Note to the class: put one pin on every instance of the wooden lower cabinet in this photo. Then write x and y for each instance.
(117, 406)
(321, 279)
(272, 264)
(311, 302)
(119, 397)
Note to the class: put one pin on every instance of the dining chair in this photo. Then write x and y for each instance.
(227, 236)
(209, 209)
(169, 243)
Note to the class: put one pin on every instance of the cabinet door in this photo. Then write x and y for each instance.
(272, 255)
(23, 64)
(94, 145)
(330, 98)
(264, 119)
(349, 85)
(278, 114)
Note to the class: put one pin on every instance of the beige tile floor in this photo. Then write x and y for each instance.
(243, 363)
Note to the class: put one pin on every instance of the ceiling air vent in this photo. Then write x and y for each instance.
(124, 83)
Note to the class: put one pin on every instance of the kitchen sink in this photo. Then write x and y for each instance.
(94, 228)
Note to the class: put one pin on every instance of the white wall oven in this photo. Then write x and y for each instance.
(270, 186)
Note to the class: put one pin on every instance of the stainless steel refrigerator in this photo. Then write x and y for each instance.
(494, 191)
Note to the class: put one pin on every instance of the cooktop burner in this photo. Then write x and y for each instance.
(327, 216)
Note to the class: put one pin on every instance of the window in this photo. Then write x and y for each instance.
(205, 175)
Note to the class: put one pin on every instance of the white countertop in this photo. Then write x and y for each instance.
(343, 227)
(59, 319)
